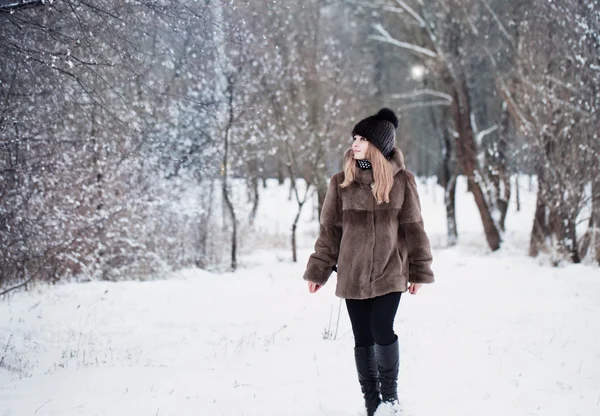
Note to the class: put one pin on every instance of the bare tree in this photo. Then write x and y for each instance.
(444, 54)
(553, 99)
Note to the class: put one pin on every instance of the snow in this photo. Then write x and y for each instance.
(497, 334)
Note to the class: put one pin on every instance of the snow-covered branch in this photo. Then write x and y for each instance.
(11, 6)
(569, 87)
(470, 21)
(410, 11)
(417, 93)
(434, 103)
(372, 5)
(386, 37)
(541, 89)
(497, 20)
(484, 133)
(507, 95)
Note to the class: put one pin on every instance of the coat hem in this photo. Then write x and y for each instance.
(399, 288)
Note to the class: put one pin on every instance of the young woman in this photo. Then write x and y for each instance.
(372, 230)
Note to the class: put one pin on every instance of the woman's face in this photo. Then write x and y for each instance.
(359, 147)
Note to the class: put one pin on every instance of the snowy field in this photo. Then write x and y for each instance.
(497, 334)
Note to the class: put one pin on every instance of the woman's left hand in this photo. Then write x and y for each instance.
(313, 287)
(413, 288)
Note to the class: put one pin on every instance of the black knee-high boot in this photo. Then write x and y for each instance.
(366, 367)
(388, 363)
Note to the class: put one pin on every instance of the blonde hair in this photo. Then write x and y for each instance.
(383, 174)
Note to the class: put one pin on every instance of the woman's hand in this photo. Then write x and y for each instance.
(413, 288)
(313, 287)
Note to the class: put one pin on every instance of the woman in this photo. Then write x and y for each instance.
(372, 229)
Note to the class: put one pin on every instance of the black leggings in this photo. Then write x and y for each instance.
(373, 319)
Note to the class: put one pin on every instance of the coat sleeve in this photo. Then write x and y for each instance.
(411, 224)
(327, 247)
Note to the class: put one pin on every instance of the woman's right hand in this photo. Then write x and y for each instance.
(313, 287)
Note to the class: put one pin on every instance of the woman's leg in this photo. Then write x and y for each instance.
(386, 345)
(360, 312)
(382, 318)
(364, 352)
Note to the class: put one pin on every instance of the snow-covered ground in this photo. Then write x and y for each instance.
(497, 334)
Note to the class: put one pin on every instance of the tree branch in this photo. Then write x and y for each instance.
(12, 6)
(500, 25)
(434, 103)
(386, 37)
(10, 289)
(543, 90)
(414, 14)
(484, 133)
(371, 5)
(417, 93)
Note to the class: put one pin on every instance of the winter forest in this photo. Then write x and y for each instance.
(142, 139)
(111, 111)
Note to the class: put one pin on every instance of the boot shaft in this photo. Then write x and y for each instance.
(366, 368)
(388, 364)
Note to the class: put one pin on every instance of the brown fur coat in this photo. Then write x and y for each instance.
(378, 249)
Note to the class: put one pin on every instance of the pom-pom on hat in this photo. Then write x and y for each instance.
(379, 130)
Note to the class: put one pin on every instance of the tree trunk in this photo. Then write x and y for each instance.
(96, 160)
(280, 172)
(205, 244)
(467, 158)
(252, 185)
(224, 93)
(491, 230)
(450, 201)
(226, 197)
(231, 210)
(517, 192)
(569, 240)
(595, 217)
(294, 227)
(447, 178)
(500, 165)
(504, 200)
(591, 238)
(553, 229)
(539, 231)
(300, 202)
(255, 201)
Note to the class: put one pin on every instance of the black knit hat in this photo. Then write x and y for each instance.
(379, 130)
